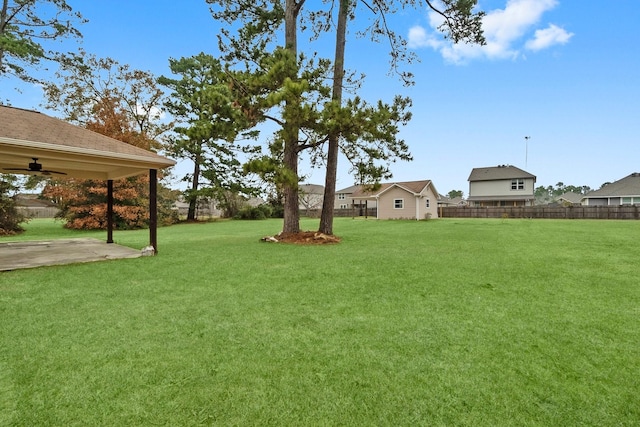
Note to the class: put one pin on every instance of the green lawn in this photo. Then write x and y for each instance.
(437, 323)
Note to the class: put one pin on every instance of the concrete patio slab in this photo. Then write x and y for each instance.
(29, 254)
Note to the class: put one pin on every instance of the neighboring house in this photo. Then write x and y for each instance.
(344, 199)
(445, 202)
(502, 185)
(204, 208)
(310, 196)
(210, 208)
(622, 192)
(402, 200)
(570, 198)
(255, 201)
(33, 207)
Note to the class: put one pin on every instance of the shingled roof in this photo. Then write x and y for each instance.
(415, 187)
(626, 187)
(498, 173)
(571, 197)
(63, 147)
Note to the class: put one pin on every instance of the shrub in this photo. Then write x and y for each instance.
(254, 212)
(10, 217)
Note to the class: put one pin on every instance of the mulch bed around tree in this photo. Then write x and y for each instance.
(303, 238)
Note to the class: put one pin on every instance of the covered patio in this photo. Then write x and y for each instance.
(40, 253)
(34, 143)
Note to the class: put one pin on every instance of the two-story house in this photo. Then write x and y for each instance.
(503, 185)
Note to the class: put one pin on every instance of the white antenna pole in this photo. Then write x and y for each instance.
(526, 150)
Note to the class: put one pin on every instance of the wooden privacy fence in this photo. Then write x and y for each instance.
(38, 212)
(349, 212)
(547, 212)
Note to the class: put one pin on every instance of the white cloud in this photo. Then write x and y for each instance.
(154, 113)
(548, 37)
(418, 37)
(504, 30)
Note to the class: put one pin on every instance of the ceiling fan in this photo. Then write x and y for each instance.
(36, 168)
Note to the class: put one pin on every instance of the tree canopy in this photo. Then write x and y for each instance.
(25, 25)
(455, 193)
(114, 100)
(312, 114)
(211, 120)
(551, 193)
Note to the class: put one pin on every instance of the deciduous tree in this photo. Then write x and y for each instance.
(113, 100)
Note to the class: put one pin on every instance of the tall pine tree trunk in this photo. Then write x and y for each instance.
(193, 197)
(328, 201)
(290, 189)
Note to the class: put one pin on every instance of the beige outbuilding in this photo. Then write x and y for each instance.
(401, 200)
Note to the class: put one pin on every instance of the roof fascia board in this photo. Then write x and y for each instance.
(398, 186)
(152, 159)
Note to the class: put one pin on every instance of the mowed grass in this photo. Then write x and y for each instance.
(437, 323)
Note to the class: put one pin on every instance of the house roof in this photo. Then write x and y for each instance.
(444, 200)
(348, 190)
(498, 173)
(571, 197)
(625, 187)
(63, 147)
(414, 187)
(32, 201)
(311, 189)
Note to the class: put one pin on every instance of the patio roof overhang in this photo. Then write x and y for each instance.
(72, 150)
(75, 162)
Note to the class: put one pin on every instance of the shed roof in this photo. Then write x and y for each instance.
(498, 173)
(625, 187)
(63, 147)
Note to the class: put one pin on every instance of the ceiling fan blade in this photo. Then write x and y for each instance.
(34, 172)
(36, 169)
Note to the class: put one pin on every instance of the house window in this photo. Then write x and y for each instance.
(427, 204)
(517, 184)
(341, 196)
(627, 200)
(398, 203)
(343, 206)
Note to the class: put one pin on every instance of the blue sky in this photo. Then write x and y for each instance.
(564, 73)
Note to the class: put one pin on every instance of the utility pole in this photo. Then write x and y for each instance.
(526, 150)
